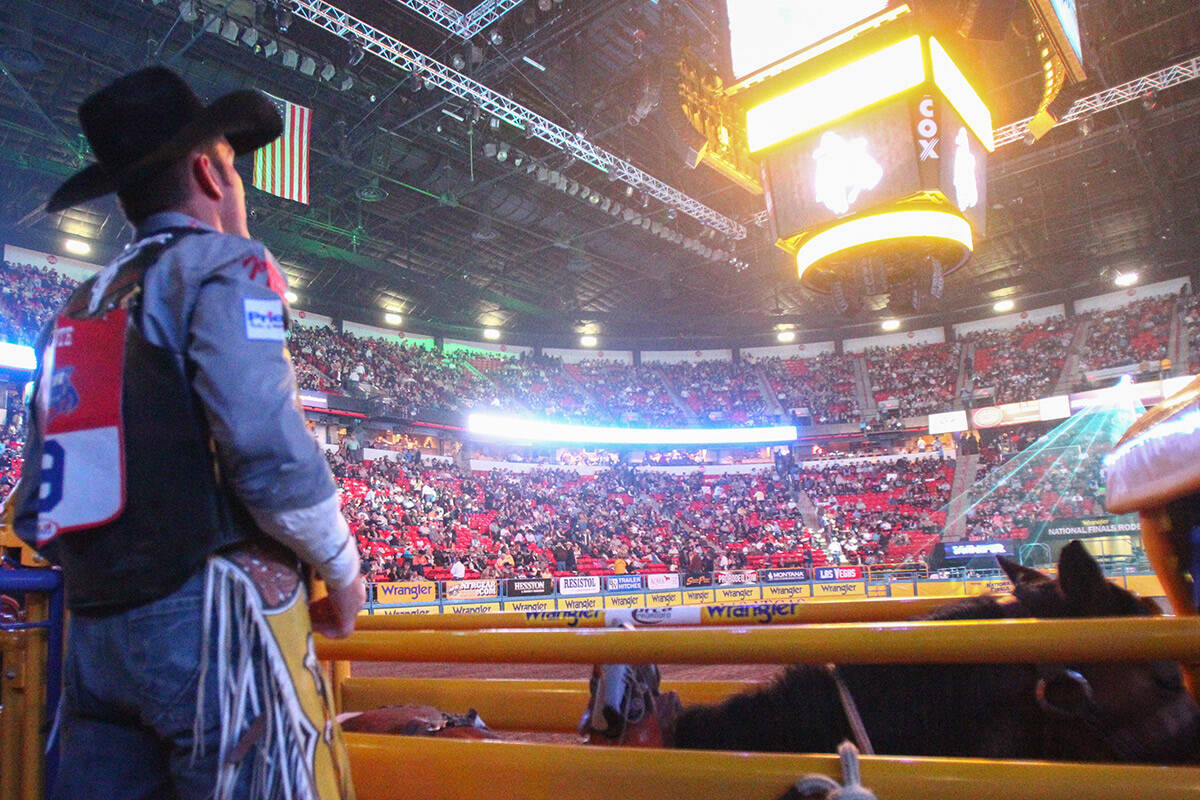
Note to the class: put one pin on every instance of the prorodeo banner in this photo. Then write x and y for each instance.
(472, 590)
(735, 578)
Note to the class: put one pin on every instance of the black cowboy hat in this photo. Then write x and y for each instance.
(147, 119)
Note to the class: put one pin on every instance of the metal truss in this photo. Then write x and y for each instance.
(1110, 98)
(463, 25)
(396, 52)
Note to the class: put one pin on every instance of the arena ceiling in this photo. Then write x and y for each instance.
(412, 213)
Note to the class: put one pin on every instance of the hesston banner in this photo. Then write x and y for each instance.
(528, 587)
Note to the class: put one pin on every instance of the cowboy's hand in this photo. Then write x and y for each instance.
(334, 614)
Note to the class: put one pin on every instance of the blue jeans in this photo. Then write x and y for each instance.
(129, 704)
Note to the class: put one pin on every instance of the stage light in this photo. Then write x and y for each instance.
(528, 430)
(249, 36)
(17, 356)
(890, 325)
(392, 318)
(533, 63)
(881, 227)
(327, 72)
(960, 93)
(270, 48)
(291, 59)
(856, 85)
(291, 296)
(347, 84)
(1001, 306)
(76, 247)
(491, 334)
(458, 62)
(1124, 279)
(588, 340)
(496, 38)
(308, 66)
(786, 336)
(229, 31)
(452, 115)
(283, 18)
(189, 11)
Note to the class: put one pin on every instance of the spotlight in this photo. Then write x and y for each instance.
(291, 59)
(249, 36)
(891, 324)
(189, 11)
(76, 247)
(502, 153)
(491, 334)
(1150, 99)
(327, 72)
(1085, 126)
(229, 31)
(290, 296)
(347, 83)
(458, 62)
(785, 336)
(588, 340)
(1124, 279)
(392, 318)
(490, 150)
(283, 18)
(544, 5)
(496, 38)
(356, 55)
(270, 48)
(1001, 306)
(308, 66)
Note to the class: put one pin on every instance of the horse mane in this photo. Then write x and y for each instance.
(917, 709)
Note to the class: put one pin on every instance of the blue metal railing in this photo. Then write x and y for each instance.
(49, 582)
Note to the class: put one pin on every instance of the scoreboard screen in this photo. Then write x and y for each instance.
(913, 143)
(762, 32)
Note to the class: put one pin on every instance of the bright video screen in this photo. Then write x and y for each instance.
(527, 430)
(1068, 17)
(763, 31)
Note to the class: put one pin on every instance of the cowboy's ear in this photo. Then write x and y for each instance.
(204, 171)
(1079, 576)
(1019, 574)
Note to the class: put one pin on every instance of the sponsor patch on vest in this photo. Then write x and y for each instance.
(264, 319)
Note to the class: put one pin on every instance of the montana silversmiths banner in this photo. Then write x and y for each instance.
(579, 584)
(472, 590)
(795, 574)
(528, 587)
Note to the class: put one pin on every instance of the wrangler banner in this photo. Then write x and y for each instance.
(415, 592)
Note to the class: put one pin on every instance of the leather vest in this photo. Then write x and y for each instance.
(173, 510)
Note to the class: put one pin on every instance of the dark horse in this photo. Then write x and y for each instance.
(1136, 712)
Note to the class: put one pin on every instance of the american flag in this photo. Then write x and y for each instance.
(281, 167)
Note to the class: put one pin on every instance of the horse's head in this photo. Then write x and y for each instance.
(1137, 711)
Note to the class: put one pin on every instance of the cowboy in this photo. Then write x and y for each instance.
(176, 483)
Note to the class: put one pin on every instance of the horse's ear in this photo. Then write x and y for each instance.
(1080, 577)
(1019, 574)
